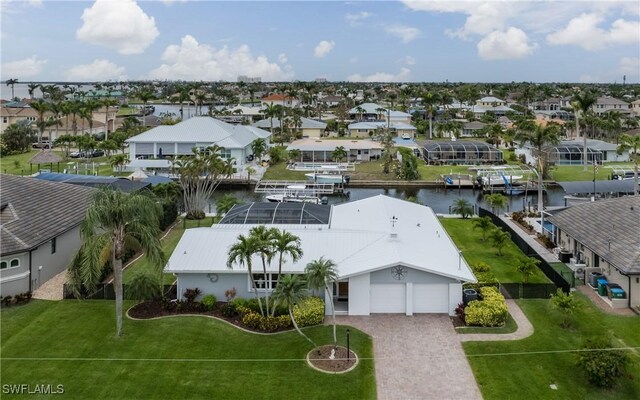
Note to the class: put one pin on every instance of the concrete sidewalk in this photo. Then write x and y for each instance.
(525, 329)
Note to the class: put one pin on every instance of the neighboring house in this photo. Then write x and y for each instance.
(316, 150)
(490, 101)
(331, 101)
(635, 108)
(496, 110)
(604, 236)
(392, 256)
(309, 127)
(571, 152)
(39, 230)
(460, 152)
(607, 103)
(281, 100)
(368, 112)
(122, 183)
(249, 114)
(368, 129)
(199, 132)
(549, 104)
(472, 129)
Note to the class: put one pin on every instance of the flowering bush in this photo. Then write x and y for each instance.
(491, 311)
(266, 324)
(309, 311)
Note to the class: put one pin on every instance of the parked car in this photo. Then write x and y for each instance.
(95, 153)
(76, 154)
(45, 144)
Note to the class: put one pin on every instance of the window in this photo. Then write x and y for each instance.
(15, 263)
(53, 246)
(3, 265)
(261, 284)
(5, 120)
(225, 153)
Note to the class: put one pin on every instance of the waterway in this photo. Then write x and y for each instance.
(438, 199)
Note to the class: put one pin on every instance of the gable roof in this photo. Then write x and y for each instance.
(610, 228)
(307, 123)
(41, 211)
(122, 184)
(360, 238)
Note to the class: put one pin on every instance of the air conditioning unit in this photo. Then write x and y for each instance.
(579, 273)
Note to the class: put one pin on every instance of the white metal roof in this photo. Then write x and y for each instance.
(307, 123)
(360, 238)
(201, 130)
(312, 144)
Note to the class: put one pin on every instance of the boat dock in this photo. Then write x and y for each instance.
(301, 187)
(458, 181)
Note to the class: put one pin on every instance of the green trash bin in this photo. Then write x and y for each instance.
(602, 287)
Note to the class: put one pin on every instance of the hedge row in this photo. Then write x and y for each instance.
(490, 311)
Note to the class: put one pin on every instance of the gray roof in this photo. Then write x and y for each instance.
(41, 211)
(200, 130)
(610, 228)
(117, 183)
(607, 100)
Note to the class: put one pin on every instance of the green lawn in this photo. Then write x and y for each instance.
(576, 172)
(528, 376)
(279, 172)
(186, 357)
(8, 164)
(169, 243)
(475, 250)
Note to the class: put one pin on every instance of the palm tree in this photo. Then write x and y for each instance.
(539, 137)
(320, 274)
(499, 239)
(32, 88)
(270, 112)
(360, 111)
(118, 160)
(285, 244)
(90, 106)
(108, 102)
(113, 218)
(462, 207)
(339, 153)
(262, 238)
(258, 147)
(226, 203)
(496, 201)
(241, 253)
(288, 293)
(144, 95)
(581, 104)
(12, 83)
(430, 101)
(632, 143)
(484, 224)
(41, 107)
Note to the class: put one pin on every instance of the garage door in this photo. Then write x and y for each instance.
(433, 298)
(390, 298)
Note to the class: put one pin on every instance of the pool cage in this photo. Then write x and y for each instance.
(278, 213)
(571, 154)
(461, 153)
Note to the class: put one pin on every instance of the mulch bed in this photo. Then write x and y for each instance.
(155, 309)
(339, 364)
(457, 322)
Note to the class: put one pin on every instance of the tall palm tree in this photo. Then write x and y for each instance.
(582, 102)
(241, 253)
(145, 95)
(41, 107)
(539, 137)
(271, 111)
(288, 293)
(339, 153)
(430, 101)
(108, 102)
(32, 88)
(12, 83)
(285, 244)
(262, 238)
(632, 143)
(113, 218)
(90, 106)
(320, 274)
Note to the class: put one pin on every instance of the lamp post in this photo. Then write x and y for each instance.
(348, 351)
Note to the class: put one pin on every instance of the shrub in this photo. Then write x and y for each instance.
(6, 301)
(309, 311)
(230, 294)
(460, 310)
(209, 302)
(169, 215)
(491, 311)
(191, 294)
(229, 310)
(266, 324)
(143, 286)
(603, 368)
(484, 275)
(251, 320)
(195, 214)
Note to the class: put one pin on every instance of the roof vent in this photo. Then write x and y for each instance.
(393, 235)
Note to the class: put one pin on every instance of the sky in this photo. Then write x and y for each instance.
(381, 41)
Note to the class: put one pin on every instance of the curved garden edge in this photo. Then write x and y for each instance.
(525, 328)
(351, 368)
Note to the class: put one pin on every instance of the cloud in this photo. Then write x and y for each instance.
(500, 45)
(191, 60)
(584, 31)
(402, 76)
(629, 66)
(407, 60)
(170, 2)
(323, 48)
(406, 33)
(28, 68)
(282, 58)
(356, 19)
(120, 25)
(98, 70)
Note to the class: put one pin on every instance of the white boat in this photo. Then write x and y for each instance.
(293, 194)
(499, 179)
(319, 177)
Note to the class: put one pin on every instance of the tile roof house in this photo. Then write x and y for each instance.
(39, 230)
(280, 99)
(605, 236)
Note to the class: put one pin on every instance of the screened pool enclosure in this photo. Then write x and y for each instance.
(461, 153)
(571, 154)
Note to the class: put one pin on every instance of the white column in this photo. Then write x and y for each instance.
(409, 292)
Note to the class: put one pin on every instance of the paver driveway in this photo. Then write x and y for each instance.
(418, 357)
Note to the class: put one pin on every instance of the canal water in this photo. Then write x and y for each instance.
(438, 199)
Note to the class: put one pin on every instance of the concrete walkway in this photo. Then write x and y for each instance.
(418, 357)
(525, 329)
(601, 304)
(545, 253)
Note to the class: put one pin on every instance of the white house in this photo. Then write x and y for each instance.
(368, 129)
(309, 127)
(320, 150)
(200, 132)
(392, 256)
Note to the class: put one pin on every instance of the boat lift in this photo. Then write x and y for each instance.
(301, 187)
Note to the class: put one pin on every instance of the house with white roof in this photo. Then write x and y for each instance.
(392, 256)
(321, 150)
(368, 128)
(375, 112)
(309, 127)
(490, 101)
(167, 141)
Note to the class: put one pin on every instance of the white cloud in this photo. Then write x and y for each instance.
(191, 60)
(98, 70)
(402, 76)
(629, 66)
(584, 31)
(11, 6)
(28, 68)
(323, 48)
(407, 60)
(170, 2)
(282, 58)
(500, 45)
(406, 33)
(120, 25)
(357, 18)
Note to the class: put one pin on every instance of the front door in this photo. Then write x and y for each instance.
(343, 290)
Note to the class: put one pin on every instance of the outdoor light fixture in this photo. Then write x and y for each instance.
(348, 351)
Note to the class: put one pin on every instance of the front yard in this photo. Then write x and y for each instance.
(73, 343)
(525, 369)
(475, 251)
